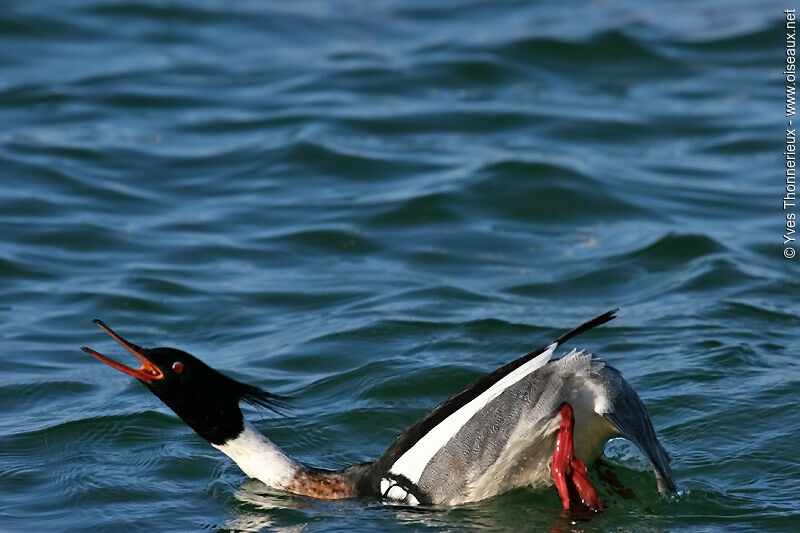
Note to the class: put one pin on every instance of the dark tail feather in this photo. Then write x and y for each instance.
(589, 324)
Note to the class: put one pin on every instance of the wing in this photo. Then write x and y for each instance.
(413, 449)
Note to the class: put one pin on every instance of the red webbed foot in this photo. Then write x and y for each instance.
(569, 472)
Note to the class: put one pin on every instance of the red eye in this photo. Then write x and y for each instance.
(177, 367)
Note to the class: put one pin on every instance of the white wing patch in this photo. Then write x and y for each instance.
(415, 459)
(392, 491)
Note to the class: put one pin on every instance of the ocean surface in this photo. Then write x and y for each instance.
(367, 205)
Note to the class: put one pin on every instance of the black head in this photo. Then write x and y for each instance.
(207, 400)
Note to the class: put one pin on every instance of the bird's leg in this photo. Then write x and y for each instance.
(568, 469)
(562, 455)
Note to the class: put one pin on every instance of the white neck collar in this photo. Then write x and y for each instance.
(259, 458)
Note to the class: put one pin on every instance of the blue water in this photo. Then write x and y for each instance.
(367, 205)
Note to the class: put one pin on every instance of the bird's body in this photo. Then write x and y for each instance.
(508, 443)
(497, 434)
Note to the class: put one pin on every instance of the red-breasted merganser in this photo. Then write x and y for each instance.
(533, 422)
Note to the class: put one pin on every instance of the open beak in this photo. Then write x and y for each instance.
(147, 372)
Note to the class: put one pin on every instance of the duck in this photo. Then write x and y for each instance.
(534, 422)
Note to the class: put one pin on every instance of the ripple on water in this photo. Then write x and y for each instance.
(680, 247)
(537, 191)
(421, 210)
(610, 52)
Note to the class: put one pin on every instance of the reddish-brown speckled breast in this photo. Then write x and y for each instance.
(326, 485)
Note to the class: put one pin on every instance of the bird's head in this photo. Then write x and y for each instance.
(207, 400)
